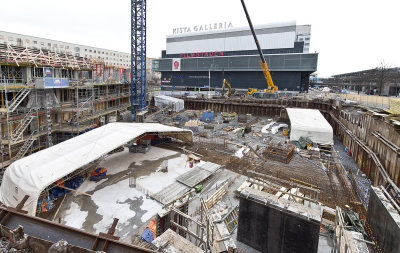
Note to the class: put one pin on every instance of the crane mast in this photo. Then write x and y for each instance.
(138, 56)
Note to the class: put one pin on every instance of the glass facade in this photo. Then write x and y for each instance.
(287, 62)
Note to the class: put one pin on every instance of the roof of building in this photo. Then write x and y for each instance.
(60, 41)
(33, 174)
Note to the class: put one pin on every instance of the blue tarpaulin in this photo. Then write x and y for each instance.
(148, 235)
(207, 117)
(73, 183)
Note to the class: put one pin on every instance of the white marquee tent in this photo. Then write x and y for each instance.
(33, 174)
(309, 123)
(162, 101)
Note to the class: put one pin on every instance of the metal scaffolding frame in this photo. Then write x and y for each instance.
(138, 56)
(22, 56)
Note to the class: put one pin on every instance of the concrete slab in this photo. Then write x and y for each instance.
(198, 174)
(208, 166)
(171, 193)
(193, 177)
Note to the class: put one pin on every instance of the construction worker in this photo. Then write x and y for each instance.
(243, 130)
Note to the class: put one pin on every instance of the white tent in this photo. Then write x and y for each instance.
(32, 174)
(164, 101)
(309, 123)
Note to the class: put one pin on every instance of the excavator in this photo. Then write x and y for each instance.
(264, 66)
(229, 92)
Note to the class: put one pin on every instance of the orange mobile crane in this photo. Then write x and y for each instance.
(264, 66)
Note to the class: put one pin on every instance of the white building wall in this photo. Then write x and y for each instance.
(267, 41)
(110, 57)
(303, 33)
(281, 35)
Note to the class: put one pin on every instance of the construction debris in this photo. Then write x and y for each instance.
(194, 123)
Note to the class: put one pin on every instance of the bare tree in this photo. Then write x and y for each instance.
(382, 76)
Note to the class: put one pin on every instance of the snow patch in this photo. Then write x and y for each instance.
(74, 217)
(113, 202)
(266, 127)
(157, 181)
(240, 153)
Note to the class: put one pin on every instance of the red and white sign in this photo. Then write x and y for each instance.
(202, 54)
(176, 64)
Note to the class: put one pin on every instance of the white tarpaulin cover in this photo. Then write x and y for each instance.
(163, 101)
(309, 123)
(32, 174)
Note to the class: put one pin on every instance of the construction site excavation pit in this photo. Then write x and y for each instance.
(230, 173)
(116, 196)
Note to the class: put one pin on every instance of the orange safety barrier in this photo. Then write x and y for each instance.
(60, 182)
(97, 172)
(152, 226)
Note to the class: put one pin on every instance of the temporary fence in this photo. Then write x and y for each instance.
(371, 100)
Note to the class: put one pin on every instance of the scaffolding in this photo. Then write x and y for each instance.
(82, 94)
(24, 56)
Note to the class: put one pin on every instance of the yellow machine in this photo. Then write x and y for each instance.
(229, 92)
(264, 66)
(252, 90)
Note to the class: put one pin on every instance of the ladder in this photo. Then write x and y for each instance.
(231, 220)
(18, 132)
(48, 120)
(21, 95)
(28, 143)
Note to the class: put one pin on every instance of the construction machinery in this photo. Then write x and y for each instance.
(264, 66)
(230, 92)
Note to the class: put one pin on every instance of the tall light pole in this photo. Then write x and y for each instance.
(209, 82)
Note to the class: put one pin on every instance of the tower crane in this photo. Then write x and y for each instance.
(138, 56)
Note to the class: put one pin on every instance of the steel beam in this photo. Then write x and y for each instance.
(54, 232)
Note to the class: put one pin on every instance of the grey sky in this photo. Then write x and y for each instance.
(349, 35)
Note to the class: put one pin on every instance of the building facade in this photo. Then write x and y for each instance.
(51, 91)
(109, 57)
(195, 59)
(382, 81)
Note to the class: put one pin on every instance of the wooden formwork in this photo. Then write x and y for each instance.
(282, 153)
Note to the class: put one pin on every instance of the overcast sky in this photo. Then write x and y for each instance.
(349, 35)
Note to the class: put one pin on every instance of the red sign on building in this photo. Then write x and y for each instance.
(202, 54)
